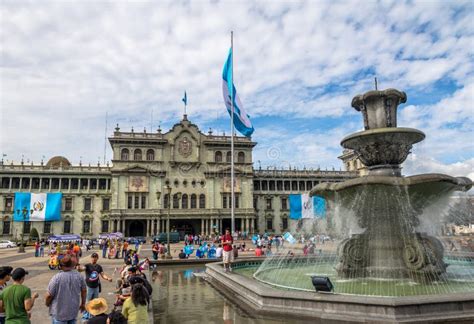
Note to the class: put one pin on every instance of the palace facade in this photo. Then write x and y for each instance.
(182, 173)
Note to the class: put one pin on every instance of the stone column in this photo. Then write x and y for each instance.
(202, 226)
(31, 180)
(247, 225)
(158, 224)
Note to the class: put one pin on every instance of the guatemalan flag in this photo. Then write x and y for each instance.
(304, 206)
(38, 207)
(241, 119)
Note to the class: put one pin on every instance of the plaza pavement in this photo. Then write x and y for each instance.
(40, 275)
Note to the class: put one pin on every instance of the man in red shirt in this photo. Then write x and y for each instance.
(228, 254)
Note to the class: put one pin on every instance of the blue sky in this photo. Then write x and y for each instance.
(298, 65)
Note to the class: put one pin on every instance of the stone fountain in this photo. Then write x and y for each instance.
(390, 246)
(391, 270)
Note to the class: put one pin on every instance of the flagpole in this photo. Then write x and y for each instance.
(232, 138)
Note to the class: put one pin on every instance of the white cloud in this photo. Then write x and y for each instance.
(64, 64)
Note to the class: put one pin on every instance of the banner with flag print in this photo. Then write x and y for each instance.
(303, 206)
(241, 120)
(37, 207)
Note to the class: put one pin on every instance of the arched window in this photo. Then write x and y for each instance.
(150, 155)
(193, 201)
(218, 156)
(184, 201)
(175, 201)
(241, 157)
(228, 156)
(137, 155)
(202, 201)
(125, 154)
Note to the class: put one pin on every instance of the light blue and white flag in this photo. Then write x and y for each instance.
(37, 207)
(304, 206)
(287, 236)
(241, 120)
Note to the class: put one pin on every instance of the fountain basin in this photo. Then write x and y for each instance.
(333, 307)
(383, 148)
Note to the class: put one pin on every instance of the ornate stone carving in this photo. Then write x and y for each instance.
(185, 147)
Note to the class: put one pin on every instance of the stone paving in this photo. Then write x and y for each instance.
(40, 275)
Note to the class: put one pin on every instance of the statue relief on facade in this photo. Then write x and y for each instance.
(185, 147)
(226, 187)
(138, 184)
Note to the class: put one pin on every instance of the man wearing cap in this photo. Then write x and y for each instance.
(63, 293)
(5, 275)
(17, 299)
(98, 309)
(93, 271)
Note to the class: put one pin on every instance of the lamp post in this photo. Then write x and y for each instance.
(168, 190)
(22, 213)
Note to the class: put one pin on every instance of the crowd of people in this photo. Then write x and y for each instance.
(82, 293)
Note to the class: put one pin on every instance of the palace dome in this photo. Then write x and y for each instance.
(57, 161)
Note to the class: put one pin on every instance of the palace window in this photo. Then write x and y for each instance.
(130, 201)
(269, 203)
(102, 184)
(86, 226)
(256, 185)
(26, 227)
(150, 155)
(175, 201)
(45, 183)
(5, 183)
(84, 184)
(64, 183)
(228, 157)
(105, 226)
(137, 155)
(202, 201)
(87, 204)
(15, 183)
(302, 186)
(6, 227)
(184, 201)
(309, 185)
(105, 203)
(284, 222)
(166, 201)
(54, 183)
(74, 183)
(67, 227)
(35, 183)
(47, 228)
(25, 183)
(264, 185)
(136, 202)
(236, 201)
(143, 205)
(269, 224)
(284, 204)
(279, 185)
(287, 185)
(241, 157)
(93, 184)
(224, 201)
(125, 154)
(218, 156)
(255, 203)
(272, 185)
(294, 185)
(193, 201)
(8, 204)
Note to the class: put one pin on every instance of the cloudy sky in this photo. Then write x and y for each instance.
(298, 64)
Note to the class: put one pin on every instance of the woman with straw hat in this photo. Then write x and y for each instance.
(98, 309)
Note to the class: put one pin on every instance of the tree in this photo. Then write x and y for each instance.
(461, 212)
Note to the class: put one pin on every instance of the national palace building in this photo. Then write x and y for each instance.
(130, 194)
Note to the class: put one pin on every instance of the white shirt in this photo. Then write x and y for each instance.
(219, 252)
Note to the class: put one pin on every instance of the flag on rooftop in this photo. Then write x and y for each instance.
(185, 98)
